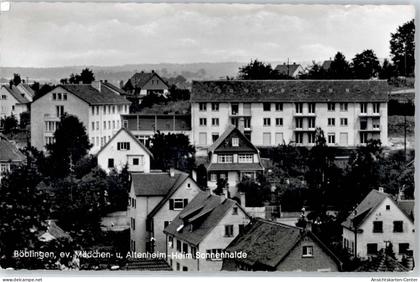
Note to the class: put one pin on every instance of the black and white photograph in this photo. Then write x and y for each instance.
(207, 138)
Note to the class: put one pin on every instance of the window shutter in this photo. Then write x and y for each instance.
(185, 202)
(171, 204)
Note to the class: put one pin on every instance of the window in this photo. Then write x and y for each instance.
(65, 97)
(135, 161)
(311, 138)
(311, 122)
(299, 122)
(376, 108)
(59, 110)
(343, 121)
(311, 108)
(279, 121)
(170, 241)
(267, 121)
(3, 97)
(104, 124)
(363, 108)
(331, 121)
(387, 207)
(267, 107)
(266, 138)
(398, 226)
(213, 177)
(113, 124)
(331, 107)
(224, 158)
(331, 138)
(307, 251)
(54, 96)
(376, 123)
(247, 122)
(299, 107)
(214, 137)
(203, 121)
(235, 210)
(104, 110)
(279, 107)
(403, 247)
(215, 107)
(178, 266)
(213, 254)
(299, 137)
(377, 227)
(110, 163)
(235, 142)
(185, 248)
(372, 249)
(228, 230)
(133, 223)
(177, 204)
(343, 107)
(178, 247)
(93, 125)
(184, 268)
(122, 146)
(203, 107)
(125, 123)
(245, 158)
(59, 96)
(235, 109)
(363, 137)
(202, 138)
(215, 121)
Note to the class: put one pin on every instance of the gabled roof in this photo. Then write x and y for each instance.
(28, 89)
(92, 96)
(139, 80)
(287, 69)
(9, 152)
(382, 263)
(199, 217)
(407, 207)
(156, 184)
(269, 243)
(258, 91)
(229, 130)
(114, 88)
(53, 232)
(122, 129)
(14, 91)
(366, 207)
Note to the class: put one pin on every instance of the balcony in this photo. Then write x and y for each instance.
(304, 129)
(370, 129)
(51, 117)
(370, 114)
(304, 114)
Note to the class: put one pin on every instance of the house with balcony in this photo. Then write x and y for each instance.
(143, 83)
(155, 199)
(98, 108)
(377, 221)
(124, 149)
(234, 158)
(197, 237)
(274, 112)
(273, 246)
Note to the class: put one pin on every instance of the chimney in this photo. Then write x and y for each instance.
(97, 85)
(194, 175)
(242, 197)
(241, 124)
(381, 189)
(171, 172)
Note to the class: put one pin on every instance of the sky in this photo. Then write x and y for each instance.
(106, 34)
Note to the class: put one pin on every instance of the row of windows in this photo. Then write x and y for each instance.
(134, 161)
(109, 109)
(51, 126)
(59, 96)
(242, 158)
(106, 125)
(397, 226)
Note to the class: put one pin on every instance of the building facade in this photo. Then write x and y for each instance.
(13, 101)
(124, 149)
(377, 221)
(143, 83)
(155, 199)
(97, 108)
(273, 112)
(205, 227)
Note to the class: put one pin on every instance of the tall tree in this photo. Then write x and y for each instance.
(402, 46)
(315, 71)
(387, 70)
(340, 67)
(365, 65)
(71, 144)
(87, 76)
(16, 79)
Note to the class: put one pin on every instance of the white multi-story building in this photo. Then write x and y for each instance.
(98, 108)
(377, 221)
(273, 112)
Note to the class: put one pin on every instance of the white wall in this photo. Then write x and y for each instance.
(10, 106)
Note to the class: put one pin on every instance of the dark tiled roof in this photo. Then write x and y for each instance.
(382, 263)
(234, 166)
(269, 243)
(204, 212)
(221, 138)
(114, 88)
(9, 152)
(139, 80)
(407, 206)
(28, 88)
(290, 91)
(92, 96)
(132, 137)
(155, 184)
(287, 69)
(14, 91)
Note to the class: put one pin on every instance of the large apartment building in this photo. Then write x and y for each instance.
(96, 106)
(273, 112)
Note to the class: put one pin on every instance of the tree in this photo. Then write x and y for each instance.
(10, 123)
(152, 99)
(16, 79)
(365, 65)
(25, 119)
(221, 184)
(87, 76)
(315, 71)
(172, 151)
(339, 68)
(259, 70)
(402, 47)
(387, 70)
(71, 144)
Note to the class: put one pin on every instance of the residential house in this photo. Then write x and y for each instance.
(155, 199)
(9, 156)
(291, 70)
(13, 101)
(273, 246)
(205, 227)
(98, 108)
(326, 65)
(377, 221)
(26, 90)
(145, 125)
(124, 149)
(274, 112)
(232, 157)
(53, 232)
(143, 83)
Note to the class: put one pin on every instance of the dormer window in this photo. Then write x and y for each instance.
(235, 142)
